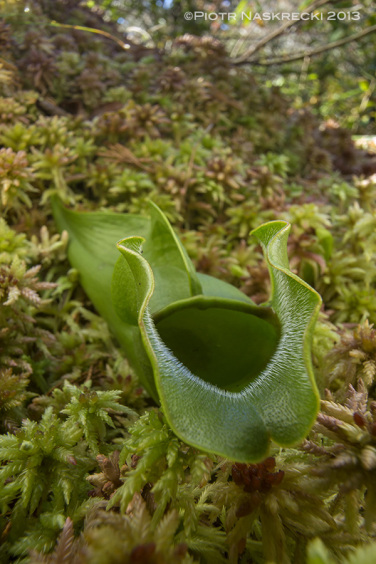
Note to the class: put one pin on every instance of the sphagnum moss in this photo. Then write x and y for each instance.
(219, 154)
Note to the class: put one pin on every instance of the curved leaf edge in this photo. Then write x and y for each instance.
(204, 302)
(280, 232)
(132, 247)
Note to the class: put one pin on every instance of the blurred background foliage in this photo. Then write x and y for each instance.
(339, 83)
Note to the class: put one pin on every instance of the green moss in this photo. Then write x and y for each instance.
(220, 154)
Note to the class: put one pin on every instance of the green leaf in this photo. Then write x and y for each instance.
(92, 251)
(326, 239)
(229, 375)
(174, 273)
(215, 287)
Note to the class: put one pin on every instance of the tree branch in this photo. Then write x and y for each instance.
(290, 58)
(279, 31)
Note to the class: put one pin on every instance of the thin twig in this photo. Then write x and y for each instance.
(290, 58)
(92, 30)
(279, 31)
